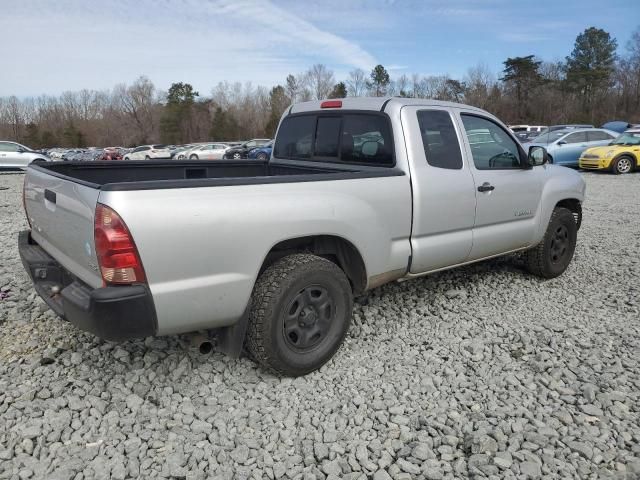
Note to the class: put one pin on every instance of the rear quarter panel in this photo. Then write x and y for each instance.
(202, 248)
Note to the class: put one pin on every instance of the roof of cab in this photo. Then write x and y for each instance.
(376, 104)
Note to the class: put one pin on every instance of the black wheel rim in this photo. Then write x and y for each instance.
(308, 318)
(559, 244)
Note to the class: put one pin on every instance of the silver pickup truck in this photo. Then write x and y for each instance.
(269, 254)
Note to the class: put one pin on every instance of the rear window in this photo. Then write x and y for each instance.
(439, 139)
(347, 138)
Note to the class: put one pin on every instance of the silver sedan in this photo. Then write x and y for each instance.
(209, 151)
(14, 155)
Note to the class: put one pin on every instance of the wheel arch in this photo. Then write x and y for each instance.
(335, 248)
(574, 206)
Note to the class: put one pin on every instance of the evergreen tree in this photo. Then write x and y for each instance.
(379, 81)
(278, 103)
(73, 137)
(175, 123)
(32, 136)
(224, 126)
(522, 73)
(591, 65)
(339, 90)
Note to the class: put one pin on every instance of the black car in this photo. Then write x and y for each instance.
(242, 150)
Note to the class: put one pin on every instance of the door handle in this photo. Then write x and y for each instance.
(486, 187)
(50, 195)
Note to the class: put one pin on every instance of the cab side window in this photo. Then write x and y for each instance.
(439, 139)
(492, 147)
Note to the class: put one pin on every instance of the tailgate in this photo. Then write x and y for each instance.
(61, 215)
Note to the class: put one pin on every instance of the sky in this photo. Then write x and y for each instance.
(51, 46)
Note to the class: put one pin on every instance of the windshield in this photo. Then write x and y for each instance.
(549, 137)
(627, 138)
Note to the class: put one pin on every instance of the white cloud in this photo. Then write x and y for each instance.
(72, 44)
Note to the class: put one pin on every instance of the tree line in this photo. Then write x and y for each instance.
(592, 85)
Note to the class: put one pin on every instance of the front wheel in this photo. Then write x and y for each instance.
(147, 157)
(126, 159)
(237, 156)
(193, 157)
(551, 257)
(300, 313)
(622, 165)
(262, 156)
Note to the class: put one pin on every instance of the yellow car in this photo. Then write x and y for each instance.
(620, 156)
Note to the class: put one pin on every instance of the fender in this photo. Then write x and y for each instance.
(560, 184)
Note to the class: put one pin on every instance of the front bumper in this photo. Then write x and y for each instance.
(111, 313)
(594, 163)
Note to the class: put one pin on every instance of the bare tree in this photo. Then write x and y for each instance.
(138, 103)
(320, 81)
(357, 83)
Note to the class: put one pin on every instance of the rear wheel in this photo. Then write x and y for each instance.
(262, 156)
(193, 157)
(300, 313)
(551, 257)
(237, 156)
(127, 159)
(621, 165)
(147, 157)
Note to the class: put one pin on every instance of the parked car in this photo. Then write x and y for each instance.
(15, 155)
(620, 156)
(241, 151)
(210, 151)
(274, 266)
(175, 152)
(112, 153)
(525, 132)
(147, 152)
(261, 153)
(617, 126)
(567, 126)
(184, 152)
(565, 146)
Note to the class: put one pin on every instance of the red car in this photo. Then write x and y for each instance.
(111, 154)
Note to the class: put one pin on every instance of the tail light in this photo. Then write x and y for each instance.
(118, 256)
(331, 104)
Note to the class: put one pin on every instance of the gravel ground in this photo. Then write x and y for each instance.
(480, 372)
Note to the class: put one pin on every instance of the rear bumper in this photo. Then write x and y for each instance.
(111, 313)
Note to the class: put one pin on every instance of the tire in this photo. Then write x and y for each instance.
(550, 159)
(262, 157)
(551, 257)
(147, 157)
(126, 159)
(300, 313)
(237, 156)
(621, 165)
(193, 157)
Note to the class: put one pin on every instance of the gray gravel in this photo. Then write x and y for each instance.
(480, 372)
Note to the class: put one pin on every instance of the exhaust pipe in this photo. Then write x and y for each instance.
(202, 342)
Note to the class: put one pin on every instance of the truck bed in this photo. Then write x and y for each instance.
(155, 174)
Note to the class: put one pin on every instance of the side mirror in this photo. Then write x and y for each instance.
(561, 142)
(538, 156)
(21, 150)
